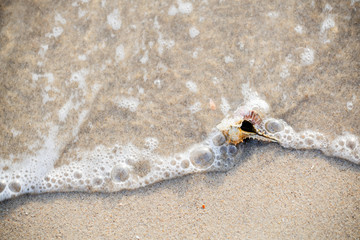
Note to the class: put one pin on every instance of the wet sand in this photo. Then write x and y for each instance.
(272, 193)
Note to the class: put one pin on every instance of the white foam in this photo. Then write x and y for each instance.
(228, 59)
(80, 78)
(60, 19)
(191, 86)
(184, 7)
(82, 57)
(284, 72)
(56, 32)
(130, 103)
(114, 20)
(119, 53)
(327, 24)
(125, 166)
(224, 106)
(64, 110)
(158, 83)
(251, 62)
(81, 13)
(43, 49)
(299, 29)
(49, 76)
(273, 14)
(253, 100)
(196, 107)
(172, 10)
(164, 43)
(307, 57)
(241, 45)
(145, 58)
(156, 23)
(216, 80)
(193, 32)
(346, 147)
(327, 8)
(15, 132)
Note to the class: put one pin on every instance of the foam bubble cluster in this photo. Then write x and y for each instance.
(127, 166)
(114, 20)
(122, 167)
(345, 146)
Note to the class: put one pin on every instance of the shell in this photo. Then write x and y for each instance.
(243, 125)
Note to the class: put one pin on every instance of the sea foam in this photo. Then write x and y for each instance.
(119, 167)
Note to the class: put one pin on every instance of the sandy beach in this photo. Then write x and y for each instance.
(273, 194)
(172, 71)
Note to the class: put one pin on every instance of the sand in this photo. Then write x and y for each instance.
(272, 193)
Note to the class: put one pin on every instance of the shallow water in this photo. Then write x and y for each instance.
(102, 96)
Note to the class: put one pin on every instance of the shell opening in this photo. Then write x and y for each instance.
(247, 127)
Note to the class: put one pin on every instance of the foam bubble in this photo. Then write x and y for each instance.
(224, 106)
(274, 126)
(202, 157)
(273, 14)
(81, 13)
(82, 57)
(43, 49)
(119, 53)
(14, 187)
(307, 57)
(145, 58)
(2, 186)
(80, 78)
(298, 29)
(130, 103)
(185, 164)
(126, 166)
(56, 32)
(59, 18)
(285, 72)
(191, 86)
(157, 83)
(328, 23)
(185, 7)
(196, 107)
(232, 150)
(172, 10)
(141, 167)
(164, 43)
(253, 100)
(151, 143)
(120, 174)
(347, 147)
(193, 32)
(114, 20)
(218, 139)
(228, 59)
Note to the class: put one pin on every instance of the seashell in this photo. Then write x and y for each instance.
(244, 125)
